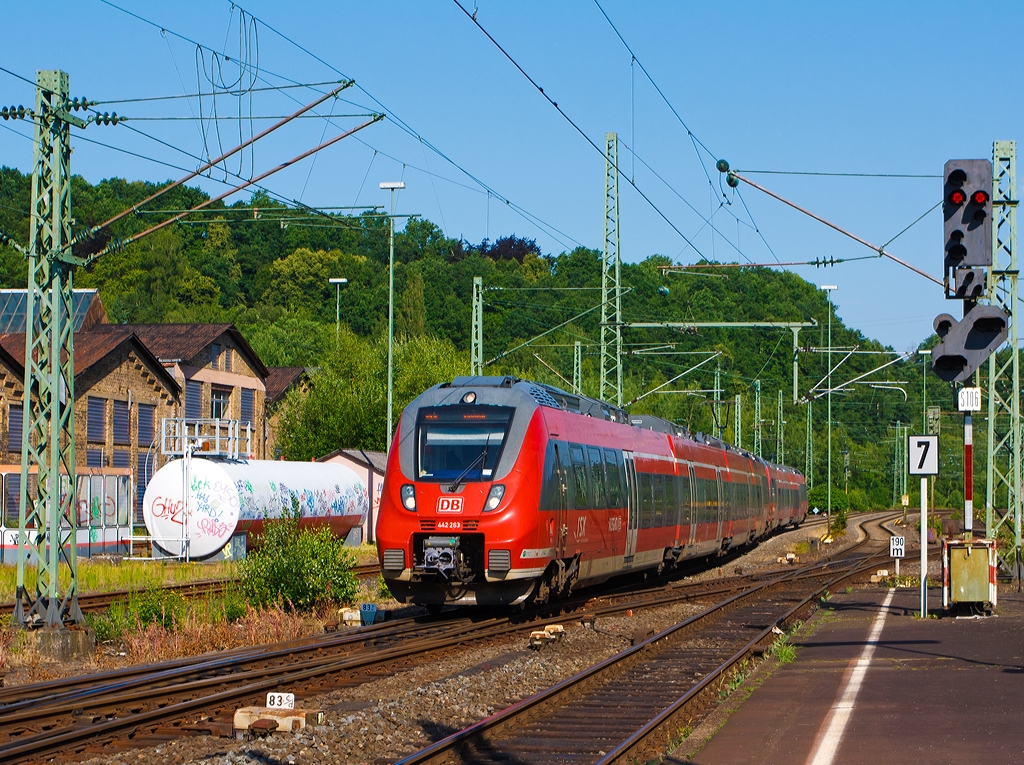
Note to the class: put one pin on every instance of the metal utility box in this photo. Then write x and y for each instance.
(969, 568)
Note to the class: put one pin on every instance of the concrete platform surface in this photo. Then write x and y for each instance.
(867, 689)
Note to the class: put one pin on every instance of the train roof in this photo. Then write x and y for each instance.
(545, 395)
(556, 398)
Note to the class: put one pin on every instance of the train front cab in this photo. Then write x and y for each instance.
(458, 520)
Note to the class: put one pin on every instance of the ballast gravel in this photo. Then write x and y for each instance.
(380, 721)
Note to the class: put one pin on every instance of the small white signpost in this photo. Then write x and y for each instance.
(923, 460)
(897, 549)
(281, 700)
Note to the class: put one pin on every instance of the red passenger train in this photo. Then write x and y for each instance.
(502, 491)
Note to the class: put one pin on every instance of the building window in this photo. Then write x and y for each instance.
(97, 416)
(147, 426)
(122, 423)
(215, 356)
(228, 359)
(122, 458)
(13, 481)
(220, 403)
(193, 399)
(248, 404)
(94, 458)
(15, 428)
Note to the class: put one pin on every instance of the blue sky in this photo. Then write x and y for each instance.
(888, 88)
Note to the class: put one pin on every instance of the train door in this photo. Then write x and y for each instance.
(721, 504)
(561, 508)
(692, 515)
(632, 510)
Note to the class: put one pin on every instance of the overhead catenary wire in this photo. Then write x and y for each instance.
(396, 120)
(122, 243)
(189, 176)
(880, 250)
(577, 128)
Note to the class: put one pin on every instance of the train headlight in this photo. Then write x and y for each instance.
(409, 497)
(494, 497)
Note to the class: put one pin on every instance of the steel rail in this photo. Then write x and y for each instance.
(491, 728)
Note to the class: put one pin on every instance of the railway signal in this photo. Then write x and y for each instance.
(967, 213)
(967, 344)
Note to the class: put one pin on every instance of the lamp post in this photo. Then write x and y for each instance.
(391, 186)
(337, 306)
(828, 296)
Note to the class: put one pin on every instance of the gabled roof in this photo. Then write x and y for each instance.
(280, 380)
(183, 342)
(90, 349)
(376, 460)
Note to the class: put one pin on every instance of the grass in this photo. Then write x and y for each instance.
(106, 576)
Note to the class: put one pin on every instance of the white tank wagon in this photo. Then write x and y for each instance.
(226, 498)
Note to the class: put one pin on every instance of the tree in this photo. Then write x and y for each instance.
(411, 320)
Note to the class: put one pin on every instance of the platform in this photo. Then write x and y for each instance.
(941, 690)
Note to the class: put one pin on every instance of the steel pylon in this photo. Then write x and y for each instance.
(1003, 462)
(476, 351)
(780, 433)
(611, 280)
(757, 417)
(47, 523)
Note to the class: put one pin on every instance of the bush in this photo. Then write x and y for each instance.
(301, 568)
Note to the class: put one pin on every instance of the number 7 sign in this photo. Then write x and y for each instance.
(923, 455)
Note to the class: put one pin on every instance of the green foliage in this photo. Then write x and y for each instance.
(347, 402)
(383, 593)
(246, 264)
(301, 568)
(782, 650)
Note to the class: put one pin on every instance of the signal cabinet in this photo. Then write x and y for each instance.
(969, 569)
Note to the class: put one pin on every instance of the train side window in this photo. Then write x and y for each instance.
(614, 484)
(684, 496)
(597, 476)
(659, 500)
(670, 501)
(579, 475)
(551, 487)
(700, 499)
(646, 510)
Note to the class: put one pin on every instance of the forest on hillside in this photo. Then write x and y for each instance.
(265, 266)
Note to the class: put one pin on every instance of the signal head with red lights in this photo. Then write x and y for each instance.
(967, 216)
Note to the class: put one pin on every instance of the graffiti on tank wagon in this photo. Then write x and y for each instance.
(257, 502)
(166, 507)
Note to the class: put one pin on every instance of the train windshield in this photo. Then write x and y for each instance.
(460, 441)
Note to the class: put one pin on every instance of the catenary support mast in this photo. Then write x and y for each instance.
(611, 281)
(47, 523)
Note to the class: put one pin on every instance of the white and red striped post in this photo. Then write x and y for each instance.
(968, 473)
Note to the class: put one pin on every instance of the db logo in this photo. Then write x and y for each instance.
(449, 504)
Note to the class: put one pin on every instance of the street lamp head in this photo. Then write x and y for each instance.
(924, 353)
(829, 287)
(393, 185)
(338, 281)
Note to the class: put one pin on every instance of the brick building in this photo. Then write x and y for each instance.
(218, 371)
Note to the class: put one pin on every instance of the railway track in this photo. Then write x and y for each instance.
(101, 601)
(138, 706)
(626, 708)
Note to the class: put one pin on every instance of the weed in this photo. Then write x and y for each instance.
(735, 680)
(801, 548)
(383, 593)
(782, 650)
(826, 596)
(303, 568)
(849, 589)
